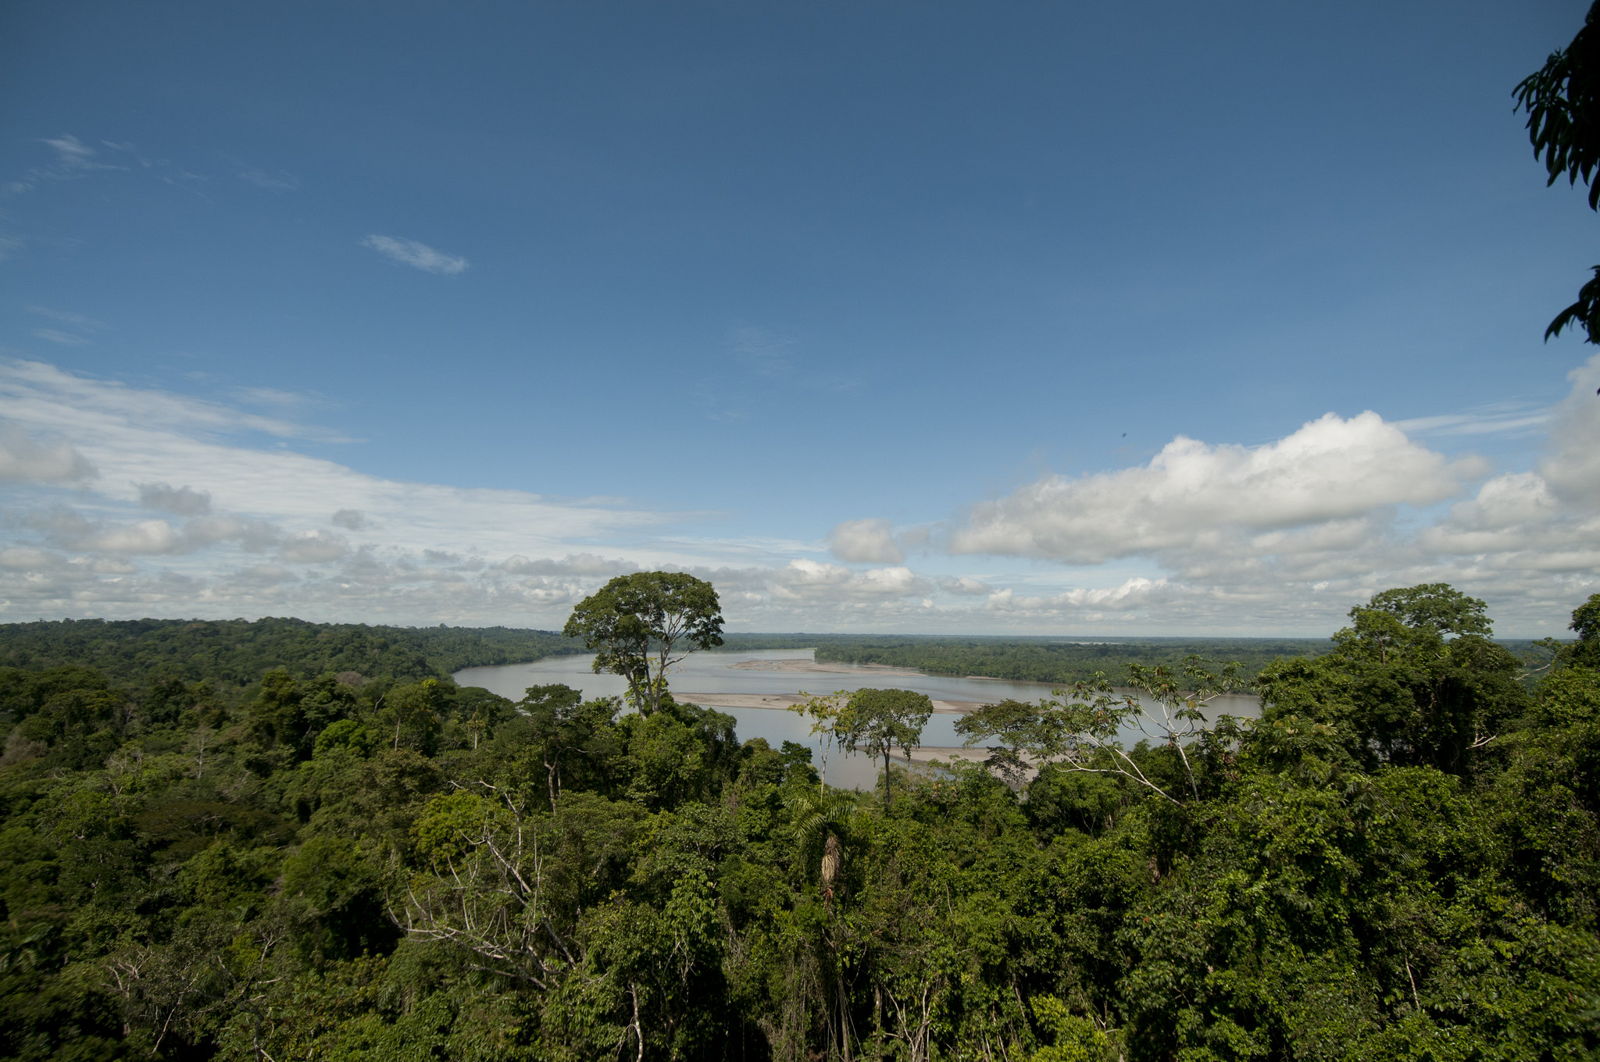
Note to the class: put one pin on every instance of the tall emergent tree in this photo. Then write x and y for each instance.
(1586, 621)
(879, 721)
(1413, 681)
(1562, 100)
(639, 625)
(875, 722)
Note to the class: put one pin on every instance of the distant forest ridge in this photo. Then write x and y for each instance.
(1062, 660)
(1070, 661)
(239, 651)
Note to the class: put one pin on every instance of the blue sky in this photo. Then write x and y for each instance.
(1040, 318)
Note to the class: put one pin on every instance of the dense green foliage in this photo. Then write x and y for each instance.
(1401, 859)
(236, 652)
(639, 625)
(875, 722)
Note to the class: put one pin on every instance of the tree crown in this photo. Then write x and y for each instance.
(639, 625)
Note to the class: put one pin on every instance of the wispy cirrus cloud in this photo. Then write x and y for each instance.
(72, 152)
(265, 178)
(765, 353)
(763, 368)
(58, 337)
(1501, 419)
(43, 394)
(67, 329)
(73, 159)
(416, 254)
(269, 180)
(78, 321)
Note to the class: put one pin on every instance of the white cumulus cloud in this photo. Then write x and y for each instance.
(1573, 467)
(1330, 469)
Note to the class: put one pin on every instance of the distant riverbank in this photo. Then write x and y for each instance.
(797, 665)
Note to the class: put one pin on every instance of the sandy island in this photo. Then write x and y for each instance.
(785, 701)
(809, 667)
(816, 667)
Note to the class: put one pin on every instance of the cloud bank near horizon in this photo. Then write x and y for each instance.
(126, 502)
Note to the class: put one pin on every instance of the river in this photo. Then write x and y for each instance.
(755, 686)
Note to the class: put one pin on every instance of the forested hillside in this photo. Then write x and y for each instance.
(341, 855)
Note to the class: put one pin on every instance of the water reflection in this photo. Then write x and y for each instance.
(771, 672)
